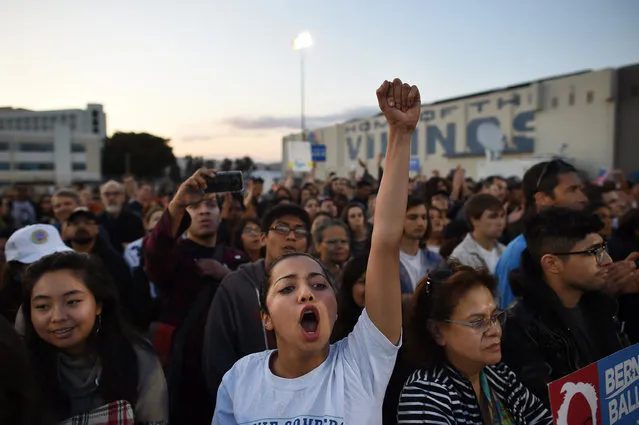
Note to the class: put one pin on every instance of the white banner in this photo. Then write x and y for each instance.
(298, 155)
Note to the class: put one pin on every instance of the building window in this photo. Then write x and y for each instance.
(590, 96)
(4, 146)
(35, 147)
(35, 166)
(571, 99)
(5, 166)
(78, 148)
(554, 102)
(79, 166)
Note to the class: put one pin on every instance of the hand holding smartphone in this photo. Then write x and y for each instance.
(224, 181)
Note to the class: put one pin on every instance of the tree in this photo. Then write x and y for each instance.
(210, 164)
(244, 164)
(148, 155)
(226, 165)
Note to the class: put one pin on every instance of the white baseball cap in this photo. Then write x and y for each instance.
(30, 243)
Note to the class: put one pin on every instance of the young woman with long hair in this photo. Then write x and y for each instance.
(351, 297)
(85, 355)
(307, 378)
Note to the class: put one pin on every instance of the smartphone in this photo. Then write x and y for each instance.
(225, 181)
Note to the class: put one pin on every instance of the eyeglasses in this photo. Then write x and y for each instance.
(556, 163)
(285, 230)
(251, 231)
(331, 242)
(599, 252)
(483, 324)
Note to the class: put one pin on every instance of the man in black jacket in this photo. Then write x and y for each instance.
(234, 326)
(566, 318)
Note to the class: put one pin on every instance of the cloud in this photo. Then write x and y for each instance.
(195, 138)
(267, 122)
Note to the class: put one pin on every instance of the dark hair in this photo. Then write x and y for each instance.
(477, 204)
(350, 206)
(490, 180)
(11, 289)
(558, 229)
(544, 177)
(280, 211)
(18, 394)
(113, 344)
(415, 201)
(326, 199)
(266, 283)
(435, 298)
(237, 237)
(319, 231)
(348, 311)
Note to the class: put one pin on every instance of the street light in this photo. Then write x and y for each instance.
(301, 42)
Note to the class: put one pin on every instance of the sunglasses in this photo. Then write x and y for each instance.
(556, 164)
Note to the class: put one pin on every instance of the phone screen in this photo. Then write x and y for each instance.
(225, 181)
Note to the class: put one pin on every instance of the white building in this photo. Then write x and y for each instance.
(589, 116)
(51, 147)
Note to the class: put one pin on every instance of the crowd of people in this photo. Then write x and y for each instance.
(356, 300)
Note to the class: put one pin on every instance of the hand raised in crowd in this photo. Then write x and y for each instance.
(623, 276)
(192, 190)
(400, 103)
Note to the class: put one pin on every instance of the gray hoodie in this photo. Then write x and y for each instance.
(234, 326)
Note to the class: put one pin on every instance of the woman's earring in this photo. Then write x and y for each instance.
(99, 320)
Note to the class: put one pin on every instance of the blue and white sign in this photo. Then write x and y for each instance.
(619, 387)
(318, 153)
(414, 164)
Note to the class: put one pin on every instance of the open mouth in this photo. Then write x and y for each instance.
(289, 248)
(309, 320)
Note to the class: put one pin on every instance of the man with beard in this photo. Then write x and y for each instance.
(82, 235)
(186, 263)
(415, 260)
(551, 183)
(123, 226)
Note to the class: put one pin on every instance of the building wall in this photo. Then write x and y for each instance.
(579, 111)
(52, 147)
(627, 123)
(576, 112)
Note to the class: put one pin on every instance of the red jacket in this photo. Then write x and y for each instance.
(170, 263)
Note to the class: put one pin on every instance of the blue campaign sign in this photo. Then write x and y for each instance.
(619, 387)
(414, 164)
(318, 153)
(605, 392)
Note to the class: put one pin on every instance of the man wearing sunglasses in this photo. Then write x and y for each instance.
(551, 183)
(565, 318)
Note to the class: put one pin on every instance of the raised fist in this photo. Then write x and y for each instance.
(400, 103)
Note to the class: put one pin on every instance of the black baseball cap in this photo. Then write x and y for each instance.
(82, 212)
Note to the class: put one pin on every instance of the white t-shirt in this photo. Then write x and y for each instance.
(346, 389)
(490, 257)
(414, 266)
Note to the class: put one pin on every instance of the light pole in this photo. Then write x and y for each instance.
(301, 42)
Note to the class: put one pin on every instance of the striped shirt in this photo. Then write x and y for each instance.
(442, 395)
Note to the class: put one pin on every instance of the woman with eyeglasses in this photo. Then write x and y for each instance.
(248, 238)
(454, 337)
